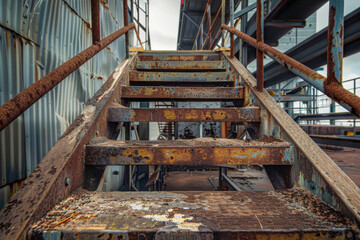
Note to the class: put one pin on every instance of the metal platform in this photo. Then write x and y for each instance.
(287, 214)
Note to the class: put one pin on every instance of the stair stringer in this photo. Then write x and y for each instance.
(313, 168)
(60, 172)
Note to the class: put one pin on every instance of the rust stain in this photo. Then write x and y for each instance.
(195, 152)
(105, 5)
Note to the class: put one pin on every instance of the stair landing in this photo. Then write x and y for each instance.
(292, 214)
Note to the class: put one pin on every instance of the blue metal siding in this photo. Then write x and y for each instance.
(36, 36)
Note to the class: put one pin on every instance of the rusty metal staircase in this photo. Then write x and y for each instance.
(314, 198)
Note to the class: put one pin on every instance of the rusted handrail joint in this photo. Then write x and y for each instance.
(331, 87)
(25, 99)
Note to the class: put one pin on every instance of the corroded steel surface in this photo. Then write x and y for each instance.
(245, 114)
(95, 21)
(185, 65)
(259, 39)
(194, 152)
(313, 168)
(177, 76)
(47, 184)
(182, 93)
(22, 101)
(290, 214)
(204, 57)
(335, 45)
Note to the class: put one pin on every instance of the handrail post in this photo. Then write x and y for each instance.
(335, 41)
(126, 22)
(95, 22)
(223, 22)
(259, 39)
(232, 55)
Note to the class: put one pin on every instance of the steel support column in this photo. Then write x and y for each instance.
(232, 25)
(126, 22)
(335, 41)
(147, 45)
(223, 22)
(95, 22)
(259, 39)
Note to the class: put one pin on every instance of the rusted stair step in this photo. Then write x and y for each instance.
(286, 214)
(244, 114)
(189, 152)
(149, 93)
(135, 76)
(181, 65)
(158, 56)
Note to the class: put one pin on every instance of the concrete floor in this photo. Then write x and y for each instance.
(251, 179)
(348, 160)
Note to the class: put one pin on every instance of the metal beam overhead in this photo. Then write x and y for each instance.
(312, 51)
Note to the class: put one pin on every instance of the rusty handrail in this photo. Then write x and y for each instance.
(331, 87)
(13, 108)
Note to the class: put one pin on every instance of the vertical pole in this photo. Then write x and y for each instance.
(223, 22)
(132, 20)
(332, 109)
(354, 119)
(259, 38)
(126, 22)
(242, 47)
(138, 14)
(232, 55)
(220, 178)
(335, 41)
(95, 22)
(209, 22)
(201, 35)
(147, 25)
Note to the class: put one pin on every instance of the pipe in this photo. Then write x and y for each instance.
(126, 22)
(25, 99)
(95, 22)
(334, 90)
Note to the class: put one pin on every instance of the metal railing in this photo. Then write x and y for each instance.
(13, 108)
(331, 86)
(211, 25)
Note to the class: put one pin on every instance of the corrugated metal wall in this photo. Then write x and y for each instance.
(36, 36)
